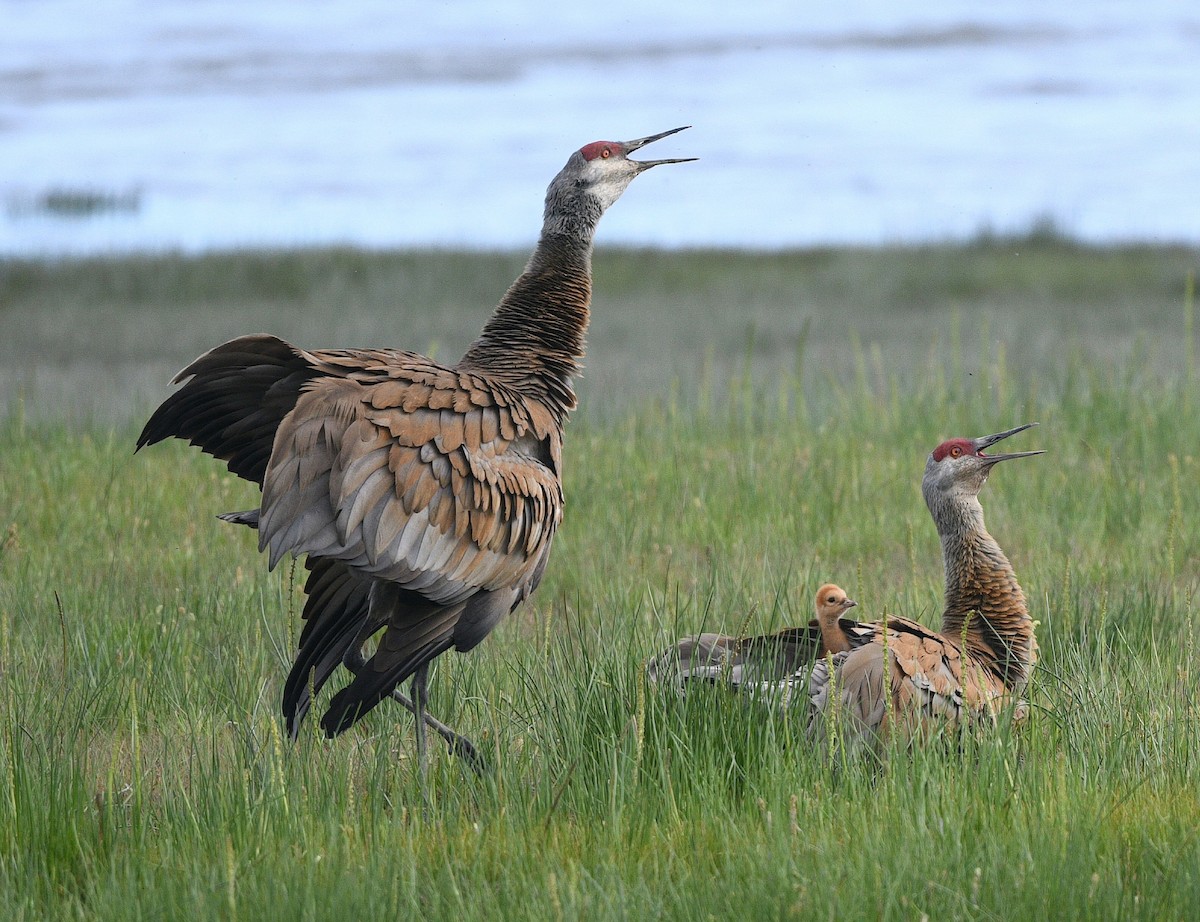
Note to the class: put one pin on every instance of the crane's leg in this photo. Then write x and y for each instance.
(459, 745)
(419, 697)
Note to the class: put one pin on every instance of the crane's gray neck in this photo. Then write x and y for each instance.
(534, 340)
(571, 212)
(985, 605)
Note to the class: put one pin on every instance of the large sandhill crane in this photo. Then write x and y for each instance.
(900, 676)
(425, 495)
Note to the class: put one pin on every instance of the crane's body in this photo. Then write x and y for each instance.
(425, 496)
(907, 678)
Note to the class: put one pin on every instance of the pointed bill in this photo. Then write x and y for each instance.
(985, 440)
(631, 146)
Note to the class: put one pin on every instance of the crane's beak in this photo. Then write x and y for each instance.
(849, 603)
(984, 441)
(631, 146)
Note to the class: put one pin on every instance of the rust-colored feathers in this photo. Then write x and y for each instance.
(416, 475)
(928, 682)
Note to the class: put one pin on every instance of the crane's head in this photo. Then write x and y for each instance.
(603, 170)
(832, 602)
(959, 467)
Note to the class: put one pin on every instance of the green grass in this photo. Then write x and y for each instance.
(143, 768)
(97, 340)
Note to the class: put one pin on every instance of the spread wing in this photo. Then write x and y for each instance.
(235, 397)
(387, 470)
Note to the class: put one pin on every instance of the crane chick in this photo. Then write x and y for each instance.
(831, 603)
(766, 658)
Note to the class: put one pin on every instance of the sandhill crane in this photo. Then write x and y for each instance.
(425, 496)
(982, 656)
(768, 658)
(908, 678)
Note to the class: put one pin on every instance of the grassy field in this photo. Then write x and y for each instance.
(753, 425)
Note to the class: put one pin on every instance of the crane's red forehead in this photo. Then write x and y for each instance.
(596, 148)
(966, 445)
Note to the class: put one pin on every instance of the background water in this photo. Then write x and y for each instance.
(209, 123)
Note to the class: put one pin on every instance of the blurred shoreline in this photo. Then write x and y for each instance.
(201, 127)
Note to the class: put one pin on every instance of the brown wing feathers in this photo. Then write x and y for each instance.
(929, 682)
(415, 499)
(377, 464)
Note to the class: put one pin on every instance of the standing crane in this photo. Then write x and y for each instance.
(425, 496)
(897, 675)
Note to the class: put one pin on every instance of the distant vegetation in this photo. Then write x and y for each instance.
(754, 425)
(99, 339)
(75, 203)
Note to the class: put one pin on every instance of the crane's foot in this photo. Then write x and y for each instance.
(463, 748)
(460, 747)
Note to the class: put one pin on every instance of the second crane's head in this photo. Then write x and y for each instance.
(959, 467)
(596, 175)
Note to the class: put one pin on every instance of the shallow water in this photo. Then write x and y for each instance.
(202, 125)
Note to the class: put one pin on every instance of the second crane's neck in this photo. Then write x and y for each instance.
(984, 602)
(534, 340)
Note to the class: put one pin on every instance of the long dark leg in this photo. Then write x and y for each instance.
(459, 744)
(419, 697)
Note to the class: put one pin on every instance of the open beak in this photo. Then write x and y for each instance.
(631, 146)
(984, 441)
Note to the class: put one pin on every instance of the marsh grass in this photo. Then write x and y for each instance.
(96, 340)
(144, 769)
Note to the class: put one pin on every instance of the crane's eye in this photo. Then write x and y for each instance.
(955, 452)
(606, 153)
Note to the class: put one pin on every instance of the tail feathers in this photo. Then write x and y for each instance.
(338, 605)
(248, 518)
(372, 685)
